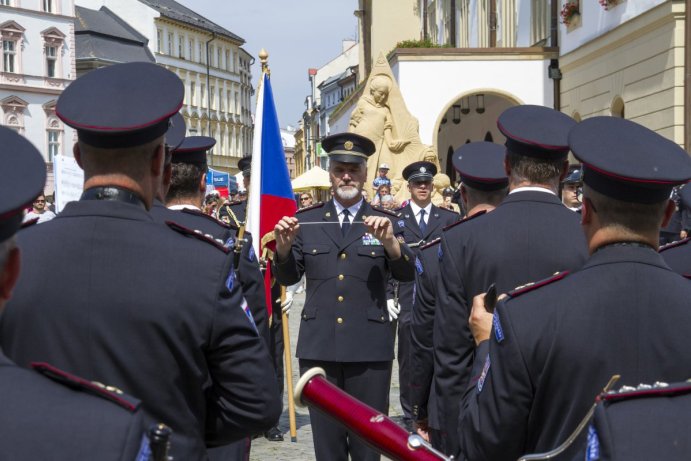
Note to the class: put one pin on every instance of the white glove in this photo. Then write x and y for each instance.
(394, 309)
(288, 303)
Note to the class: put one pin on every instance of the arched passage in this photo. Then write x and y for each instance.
(470, 117)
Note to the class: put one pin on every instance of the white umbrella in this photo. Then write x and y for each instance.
(316, 178)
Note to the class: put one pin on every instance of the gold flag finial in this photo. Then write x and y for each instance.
(264, 59)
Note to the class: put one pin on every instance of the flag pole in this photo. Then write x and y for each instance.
(289, 369)
(285, 327)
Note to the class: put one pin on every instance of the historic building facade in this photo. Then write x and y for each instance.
(459, 64)
(211, 62)
(629, 60)
(462, 62)
(37, 64)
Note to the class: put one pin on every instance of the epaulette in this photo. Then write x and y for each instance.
(386, 211)
(199, 235)
(464, 220)
(535, 285)
(29, 223)
(446, 210)
(210, 218)
(430, 243)
(311, 207)
(678, 243)
(111, 393)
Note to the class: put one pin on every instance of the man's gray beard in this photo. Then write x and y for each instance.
(349, 194)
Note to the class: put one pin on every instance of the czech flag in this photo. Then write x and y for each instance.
(271, 194)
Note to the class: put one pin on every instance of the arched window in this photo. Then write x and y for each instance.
(14, 108)
(54, 136)
(14, 123)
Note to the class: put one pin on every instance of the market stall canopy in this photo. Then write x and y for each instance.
(316, 178)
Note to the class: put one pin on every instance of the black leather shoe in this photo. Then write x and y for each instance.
(274, 435)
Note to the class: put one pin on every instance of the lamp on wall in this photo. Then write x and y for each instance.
(465, 105)
(480, 104)
(456, 114)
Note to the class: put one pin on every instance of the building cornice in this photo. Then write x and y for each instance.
(472, 54)
(30, 89)
(198, 30)
(39, 13)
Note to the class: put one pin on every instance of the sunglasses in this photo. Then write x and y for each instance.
(302, 199)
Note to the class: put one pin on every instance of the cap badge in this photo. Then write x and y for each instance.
(423, 169)
(348, 145)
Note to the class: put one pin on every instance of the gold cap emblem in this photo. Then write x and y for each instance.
(348, 145)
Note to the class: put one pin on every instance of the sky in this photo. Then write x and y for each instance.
(298, 34)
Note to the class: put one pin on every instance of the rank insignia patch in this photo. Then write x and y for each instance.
(144, 450)
(230, 281)
(483, 376)
(418, 265)
(498, 330)
(592, 452)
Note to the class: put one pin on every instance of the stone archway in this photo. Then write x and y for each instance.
(467, 118)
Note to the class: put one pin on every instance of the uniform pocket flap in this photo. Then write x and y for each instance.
(371, 251)
(315, 249)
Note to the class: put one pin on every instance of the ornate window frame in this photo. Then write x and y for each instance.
(53, 38)
(12, 31)
(13, 108)
(54, 131)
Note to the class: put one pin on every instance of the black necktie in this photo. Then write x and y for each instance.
(422, 223)
(345, 225)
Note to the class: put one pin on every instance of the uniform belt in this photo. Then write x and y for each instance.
(114, 194)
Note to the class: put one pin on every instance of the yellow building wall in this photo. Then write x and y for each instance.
(641, 62)
(388, 22)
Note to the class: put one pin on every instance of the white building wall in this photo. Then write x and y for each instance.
(595, 21)
(429, 88)
(349, 57)
(30, 82)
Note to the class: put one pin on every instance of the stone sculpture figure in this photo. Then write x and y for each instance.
(382, 116)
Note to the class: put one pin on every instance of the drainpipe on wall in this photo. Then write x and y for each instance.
(687, 78)
(424, 20)
(452, 24)
(208, 96)
(554, 71)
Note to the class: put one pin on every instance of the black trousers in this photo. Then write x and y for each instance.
(276, 346)
(404, 373)
(366, 381)
(236, 451)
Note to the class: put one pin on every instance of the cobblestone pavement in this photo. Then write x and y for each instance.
(303, 450)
